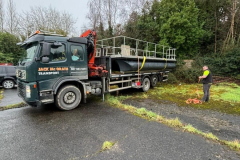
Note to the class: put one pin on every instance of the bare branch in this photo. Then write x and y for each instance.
(12, 18)
(1, 15)
(47, 19)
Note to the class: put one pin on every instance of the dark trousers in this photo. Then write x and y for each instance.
(206, 92)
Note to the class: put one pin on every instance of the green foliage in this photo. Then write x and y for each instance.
(172, 23)
(216, 17)
(100, 31)
(226, 65)
(11, 106)
(1, 94)
(180, 27)
(172, 78)
(187, 75)
(9, 51)
(149, 22)
(238, 76)
(107, 145)
(131, 27)
(110, 29)
(6, 58)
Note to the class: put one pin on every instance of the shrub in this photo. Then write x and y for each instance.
(224, 65)
(185, 75)
(172, 78)
(188, 75)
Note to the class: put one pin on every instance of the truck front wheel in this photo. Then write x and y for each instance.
(68, 97)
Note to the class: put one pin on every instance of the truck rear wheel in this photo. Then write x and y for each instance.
(145, 84)
(154, 80)
(68, 97)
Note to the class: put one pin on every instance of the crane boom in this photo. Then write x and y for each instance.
(94, 70)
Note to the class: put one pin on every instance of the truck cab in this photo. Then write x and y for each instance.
(49, 62)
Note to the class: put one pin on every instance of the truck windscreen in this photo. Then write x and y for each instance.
(29, 52)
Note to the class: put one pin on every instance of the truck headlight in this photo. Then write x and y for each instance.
(21, 74)
(28, 91)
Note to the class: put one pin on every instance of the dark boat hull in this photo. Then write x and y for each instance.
(132, 65)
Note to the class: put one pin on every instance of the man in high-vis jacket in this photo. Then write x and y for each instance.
(207, 82)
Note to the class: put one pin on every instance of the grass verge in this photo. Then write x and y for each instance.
(224, 97)
(1, 94)
(175, 123)
(18, 105)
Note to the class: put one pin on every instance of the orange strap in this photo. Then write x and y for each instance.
(195, 101)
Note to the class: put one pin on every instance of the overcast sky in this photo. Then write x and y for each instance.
(77, 8)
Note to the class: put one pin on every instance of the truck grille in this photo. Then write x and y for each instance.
(21, 89)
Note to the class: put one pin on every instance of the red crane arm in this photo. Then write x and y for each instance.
(94, 70)
(93, 35)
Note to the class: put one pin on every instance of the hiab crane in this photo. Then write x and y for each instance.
(94, 70)
(64, 71)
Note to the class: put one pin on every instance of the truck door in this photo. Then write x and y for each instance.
(78, 66)
(57, 66)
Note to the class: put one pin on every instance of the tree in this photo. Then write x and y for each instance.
(12, 18)
(131, 27)
(95, 15)
(9, 51)
(102, 12)
(180, 27)
(100, 31)
(230, 38)
(149, 23)
(215, 15)
(1, 15)
(47, 19)
(112, 14)
(130, 6)
(26, 27)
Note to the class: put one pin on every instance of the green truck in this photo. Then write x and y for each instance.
(64, 71)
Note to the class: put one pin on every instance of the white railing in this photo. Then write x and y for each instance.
(126, 46)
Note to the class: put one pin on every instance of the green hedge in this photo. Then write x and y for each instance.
(184, 75)
(227, 65)
(223, 65)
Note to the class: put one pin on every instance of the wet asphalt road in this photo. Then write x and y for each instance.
(47, 133)
(10, 97)
(224, 126)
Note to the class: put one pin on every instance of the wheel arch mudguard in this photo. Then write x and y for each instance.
(143, 77)
(9, 78)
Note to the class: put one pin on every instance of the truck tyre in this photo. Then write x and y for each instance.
(145, 84)
(154, 80)
(8, 84)
(68, 97)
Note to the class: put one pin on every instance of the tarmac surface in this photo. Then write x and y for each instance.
(47, 133)
(10, 97)
(224, 126)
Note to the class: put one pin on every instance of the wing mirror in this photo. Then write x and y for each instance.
(45, 59)
(46, 49)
